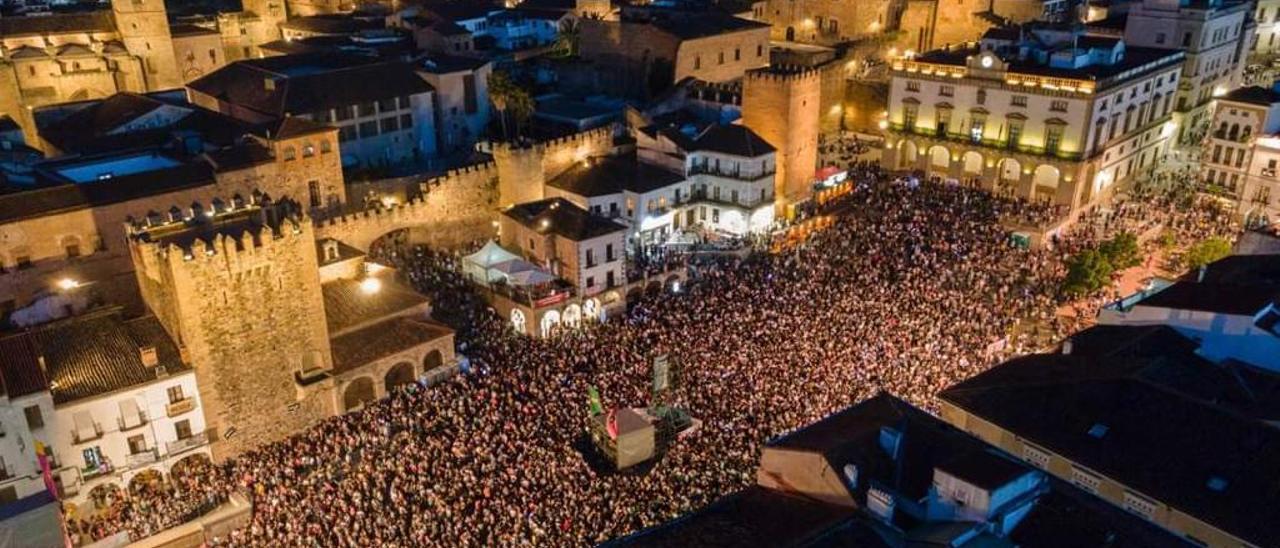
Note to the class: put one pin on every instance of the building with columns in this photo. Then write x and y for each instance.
(1042, 112)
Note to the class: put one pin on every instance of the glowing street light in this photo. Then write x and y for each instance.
(369, 286)
(67, 284)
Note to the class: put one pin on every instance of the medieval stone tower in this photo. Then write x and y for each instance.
(236, 284)
(144, 28)
(271, 13)
(524, 169)
(780, 104)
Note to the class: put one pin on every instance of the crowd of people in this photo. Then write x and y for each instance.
(912, 288)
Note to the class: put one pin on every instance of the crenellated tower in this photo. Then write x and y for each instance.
(144, 28)
(780, 103)
(236, 284)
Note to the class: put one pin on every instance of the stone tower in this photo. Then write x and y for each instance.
(272, 13)
(780, 104)
(237, 285)
(520, 177)
(144, 27)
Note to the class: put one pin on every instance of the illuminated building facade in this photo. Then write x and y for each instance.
(1242, 153)
(1040, 112)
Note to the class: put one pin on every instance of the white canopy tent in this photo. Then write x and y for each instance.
(477, 265)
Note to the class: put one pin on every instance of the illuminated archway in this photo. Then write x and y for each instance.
(572, 315)
(358, 393)
(550, 321)
(1045, 180)
(907, 153)
(518, 321)
(399, 375)
(939, 159)
(972, 163)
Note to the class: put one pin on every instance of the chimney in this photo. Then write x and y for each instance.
(148, 355)
(1066, 347)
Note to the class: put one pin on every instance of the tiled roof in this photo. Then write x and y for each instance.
(96, 21)
(733, 139)
(563, 218)
(71, 196)
(346, 306)
(329, 24)
(612, 175)
(382, 339)
(310, 82)
(91, 128)
(92, 354)
(293, 126)
(19, 366)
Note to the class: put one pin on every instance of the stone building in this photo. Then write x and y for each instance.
(130, 155)
(282, 330)
(1241, 154)
(383, 110)
(109, 396)
(1041, 112)
(1215, 36)
(780, 104)
(198, 50)
(654, 53)
(1266, 40)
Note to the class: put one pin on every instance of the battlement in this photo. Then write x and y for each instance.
(783, 73)
(573, 139)
(226, 228)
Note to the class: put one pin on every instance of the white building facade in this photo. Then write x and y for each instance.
(1043, 114)
(1241, 154)
(1215, 35)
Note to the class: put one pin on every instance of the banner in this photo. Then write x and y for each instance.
(661, 373)
(594, 407)
(42, 458)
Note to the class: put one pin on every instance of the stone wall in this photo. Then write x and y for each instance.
(523, 169)
(454, 208)
(781, 105)
(247, 319)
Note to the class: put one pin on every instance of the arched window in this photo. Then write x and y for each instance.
(325, 147)
(308, 150)
(289, 153)
(1234, 133)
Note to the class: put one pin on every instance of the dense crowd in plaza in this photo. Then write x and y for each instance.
(913, 288)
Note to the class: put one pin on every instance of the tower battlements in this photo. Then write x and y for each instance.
(783, 73)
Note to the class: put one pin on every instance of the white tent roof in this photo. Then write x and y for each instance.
(490, 255)
(530, 277)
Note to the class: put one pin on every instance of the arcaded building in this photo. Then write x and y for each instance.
(1040, 113)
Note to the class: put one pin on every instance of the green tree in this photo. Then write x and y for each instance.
(567, 38)
(1086, 273)
(1122, 251)
(1206, 251)
(510, 100)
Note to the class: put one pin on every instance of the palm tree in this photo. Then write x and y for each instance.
(510, 100)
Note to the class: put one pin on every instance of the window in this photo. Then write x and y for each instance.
(1139, 505)
(73, 248)
(608, 251)
(308, 150)
(324, 116)
(591, 281)
(737, 54)
(290, 153)
(366, 109)
(137, 444)
(34, 419)
(722, 58)
(182, 428)
(347, 133)
(946, 91)
(1085, 480)
(913, 86)
(697, 62)
(1058, 106)
(759, 51)
(368, 129)
(175, 393)
(1035, 456)
(1160, 37)
(325, 147)
(387, 105)
(591, 258)
(1186, 40)
(976, 128)
(343, 113)
(909, 113)
(390, 124)
(1052, 138)
(1019, 101)
(532, 244)
(313, 192)
(470, 104)
(609, 280)
(406, 121)
(982, 97)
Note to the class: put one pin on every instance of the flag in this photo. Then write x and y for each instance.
(593, 401)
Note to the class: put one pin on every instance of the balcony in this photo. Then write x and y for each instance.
(94, 472)
(187, 443)
(179, 407)
(729, 174)
(547, 294)
(79, 436)
(989, 143)
(142, 458)
(133, 421)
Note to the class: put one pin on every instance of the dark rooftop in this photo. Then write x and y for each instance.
(732, 139)
(347, 307)
(444, 64)
(310, 82)
(96, 125)
(562, 217)
(334, 24)
(1133, 420)
(1256, 95)
(385, 338)
(94, 21)
(461, 10)
(691, 26)
(612, 175)
(181, 30)
(87, 355)
(1134, 57)
(1252, 270)
(1222, 298)
(986, 469)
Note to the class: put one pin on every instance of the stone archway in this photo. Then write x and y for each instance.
(518, 322)
(1045, 181)
(433, 360)
(907, 153)
(1008, 173)
(939, 160)
(591, 310)
(673, 283)
(572, 316)
(550, 322)
(102, 495)
(149, 480)
(399, 375)
(972, 163)
(191, 466)
(357, 394)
